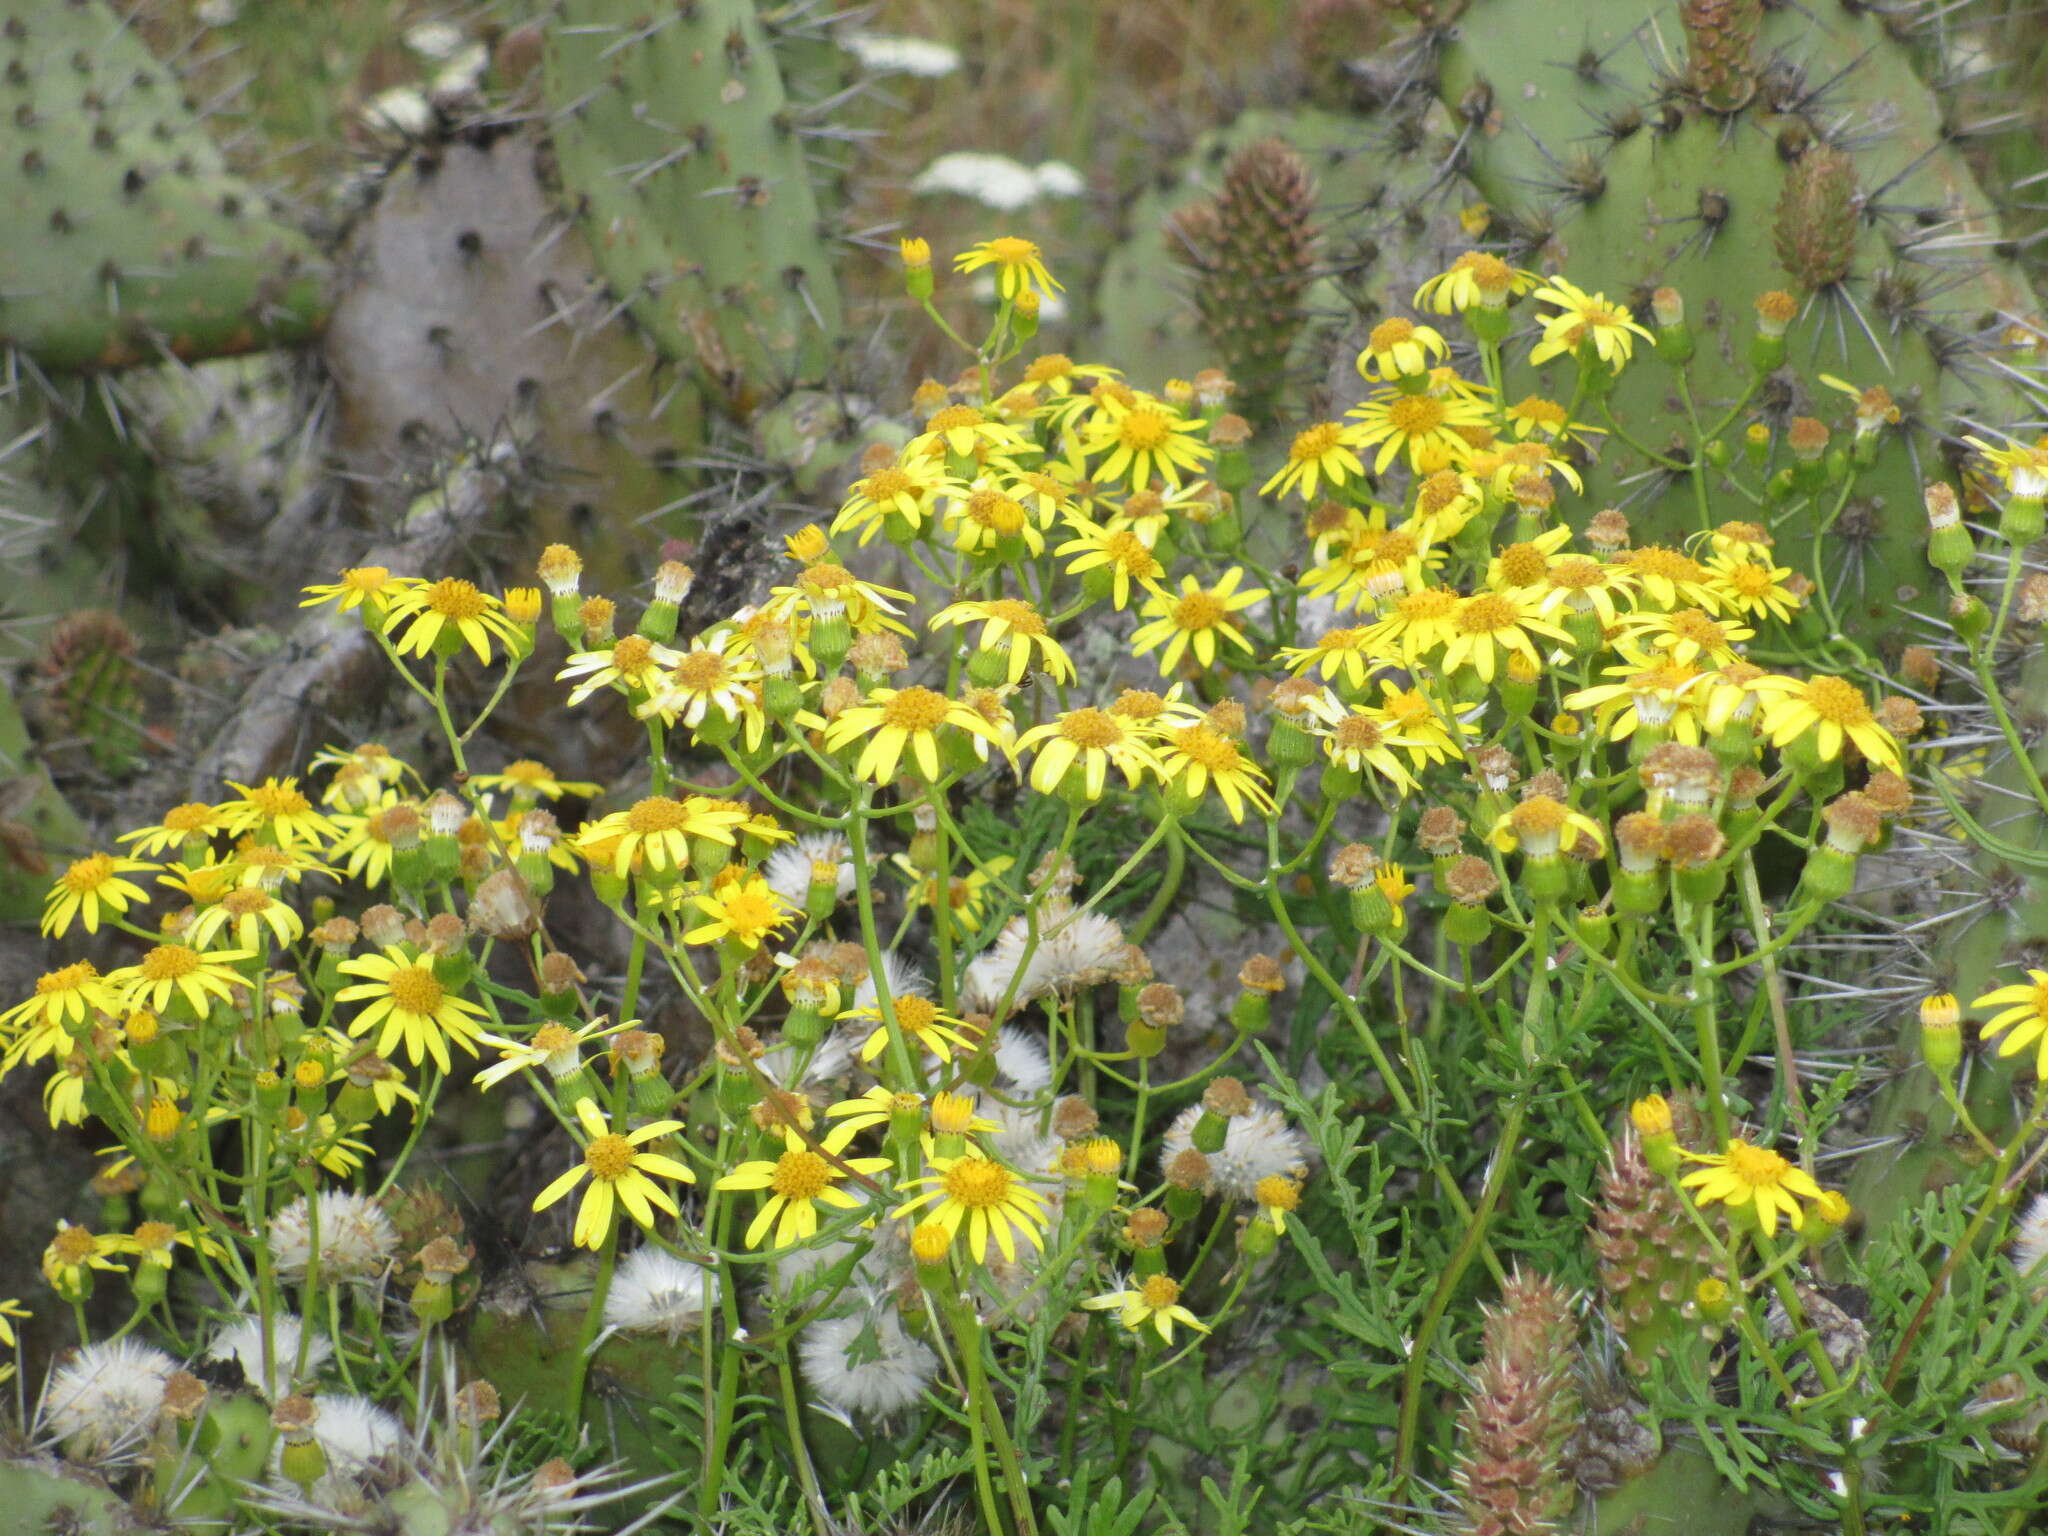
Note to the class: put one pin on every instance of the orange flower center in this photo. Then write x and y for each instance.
(1207, 748)
(1021, 617)
(1487, 614)
(1144, 429)
(1389, 333)
(954, 417)
(1159, 1292)
(1091, 728)
(1538, 814)
(916, 1013)
(73, 1245)
(169, 962)
(245, 901)
(979, 1183)
(155, 1236)
(657, 813)
(1691, 624)
(414, 990)
(800, 1175)
(1054, 365)
(456, 599)
(701, 671)
(1577, 575)
(1758, 1167)
(1655, 560)
(609, 1158)
(887, 485)
(1522, 565)
(1357, 733)
(915, 709)
(751, 910)
(365, 578)
(1127, 550)
(552, 1038)
(1416, 415)
(193, 817)
(1429, 605)
(68, 979)
(88, 875)
(632, 654)
(1011, 251)
(1837, 702)
(1315, 442)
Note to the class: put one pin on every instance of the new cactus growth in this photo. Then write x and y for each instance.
(1522, 1411)
(86, 697)
(1251, 250)
(127, 235)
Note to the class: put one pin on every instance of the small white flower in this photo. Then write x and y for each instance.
(788, 869)
(357, 1239)
(653, 1291)
(866, 1363)
(106, 1396)
(901, 55)
(242, 1342)
(1259, 1144)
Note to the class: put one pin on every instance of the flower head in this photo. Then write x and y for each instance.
(746, 911)
(620, 1173)
(1019, 266)
(1746, 1174)
(799, 1180)
(985, 1197)
(1153, 1301)
(408, 1003)
(1586, 318)
(88, 885)
(1195, 620)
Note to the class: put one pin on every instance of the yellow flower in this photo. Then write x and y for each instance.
(11, 1311)
(1144, 439)
(1424, 427)
(658, 830)
(251, 912)
(1398, 348)
(1586, 317)
(1577, 586)
(1686, 635)
(631, 666)
(2022, 466)
(1194, 620)
(1318, 453)
(1542, 827)
(982, 519)
(177, 970)
(451, 606)
(1491, 622)
(370, 585)
(1669, 577)
(1752, 1175)
(1095, 741)
(1662, 694)
(527, 781)
(905, 489)
(1155, 1300)
(891, 721)
(1525, 565)
(2026, 1016)
(1475, 280)
(828, 591)
(1357, 739)
(745, 911)
(1753, 587)
(1191, 757)
(70, 994)
(179, 823)
(985, 1196)
(88, 885)
(703, 682)
(276, 807)
(1119, 552)
(1019, 266)
(798, 1180)
(1832, 709)
(919, 1019)
(73, 1251)
(1336, 652)
(1014, 627)
(967, 895)
(620, 1173)
(409, 1003)
(555, 1047)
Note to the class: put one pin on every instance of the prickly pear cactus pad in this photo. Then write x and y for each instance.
(679, 151)
(127, 236)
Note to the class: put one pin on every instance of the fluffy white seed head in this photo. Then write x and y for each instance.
(653, 1291)
(106, 1396)
(866, 1363)
(1257, 1145)
(356, 1239)
(242, 1342)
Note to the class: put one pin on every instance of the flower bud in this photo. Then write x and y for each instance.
(917, 267)
(1941, 1034)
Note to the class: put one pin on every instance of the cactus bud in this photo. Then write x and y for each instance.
(1815, 232)
(1720, 40)
(1522, 1410)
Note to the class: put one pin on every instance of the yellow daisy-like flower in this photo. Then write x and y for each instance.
(1542, 827)
(2022, 466)
(178, 970)
(449, 606)
(1145, 439)
(1194, 620)
(631, 666)
(2025, 1019)
(986, 1197)
(527, 781)
(1520, 566)
(408, 1003)
(11, 1312)
(74, 1250)
(1488, 624)
(1476, 280)
(1119, 553)
(1686, 635)
(907, 489)
(1663, 694)
(620, 1173)
(1586, 317)
(1833, 710)
(1192, 757)
(553, 1047)
(982, 519)
(1753, 587)
(745, 910)
(1091, 742)
(1576, 586)
(1398, 348)
(1014, 627)
(363, 586)
(707, 682)
(1020, 266)
(658, 830)
(1153, 1301)
(1746, 1174)
(1336, 653)
(800, 1180)
(1425, 427)
(1422, 730)
(276, 807)
(967, 895)
(1318, 453)
(920, 1019)
(86, 887)
(965, 432)
(250, 912)
(69, 995)
(893, 721)
(827, 591)
(1359, 739)
(1670, 578)
(179, 825)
